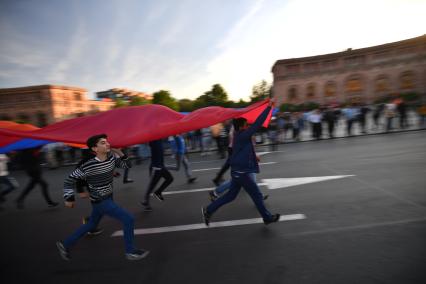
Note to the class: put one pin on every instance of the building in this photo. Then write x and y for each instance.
(355, 75)
(121, 93)
(46, 104)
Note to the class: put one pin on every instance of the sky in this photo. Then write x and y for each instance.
(185, 46)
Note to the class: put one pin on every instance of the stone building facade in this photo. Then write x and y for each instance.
(359, 75)
(46, 104)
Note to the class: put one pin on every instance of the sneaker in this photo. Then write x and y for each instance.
(95, 232)
(159, 196)
(52, 204)
(192, 179)
(274, 218)
(63, 251)
(147, 207)
(128, 180)
(213, 195)
(137, 254)
(206, 216)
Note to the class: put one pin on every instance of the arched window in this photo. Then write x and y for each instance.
(353, 85)
(407, 81)
(330, 89)
(292, 94)
(310, 91)
(382, 84)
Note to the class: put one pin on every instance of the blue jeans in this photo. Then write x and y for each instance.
(246, 181)
(227, 184)
(106, 207)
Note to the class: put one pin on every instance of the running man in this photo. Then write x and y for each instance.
(98, 172)
(157, 170)
(243, 165)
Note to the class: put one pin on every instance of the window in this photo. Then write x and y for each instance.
(311, 67)
(407, 80)
(330, 89)
(77, 97)
(353, 85)
(310, 91)
(295, 68)
(329, 64)
(292, 93)
(382, 84)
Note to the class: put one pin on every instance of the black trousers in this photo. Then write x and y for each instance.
(225, 166)
(36, 179)
(156, 175)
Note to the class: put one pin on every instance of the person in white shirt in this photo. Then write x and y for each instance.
(9, 182)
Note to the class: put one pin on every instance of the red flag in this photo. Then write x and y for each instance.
(137, 124)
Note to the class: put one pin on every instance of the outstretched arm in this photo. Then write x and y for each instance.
(259, 121)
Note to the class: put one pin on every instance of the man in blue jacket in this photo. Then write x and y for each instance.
(243, 167)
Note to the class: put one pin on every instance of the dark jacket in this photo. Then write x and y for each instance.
(243, 157)
(157, 153)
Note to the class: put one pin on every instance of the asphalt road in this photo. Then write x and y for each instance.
(368, 227)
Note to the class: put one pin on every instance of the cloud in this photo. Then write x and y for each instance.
(73, 55)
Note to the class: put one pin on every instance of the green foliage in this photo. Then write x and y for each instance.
(164, 98)
(287, 107)
(301, 107)
(261, 91)
(120, 103)
(138, 101)
(186, 105)
(217, 96)
(410, 97)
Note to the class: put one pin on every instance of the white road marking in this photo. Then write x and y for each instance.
(273, 183)
(199, 226)
(264, 153)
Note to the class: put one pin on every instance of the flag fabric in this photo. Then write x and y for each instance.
(133, 125)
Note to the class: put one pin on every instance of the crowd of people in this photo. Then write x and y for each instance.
(234, 140)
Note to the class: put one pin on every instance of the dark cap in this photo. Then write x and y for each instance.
(92, 141)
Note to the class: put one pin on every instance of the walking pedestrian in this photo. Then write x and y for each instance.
(181, 157)
(6, 180)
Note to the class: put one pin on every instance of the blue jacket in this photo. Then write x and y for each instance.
(243, 157)
(180, 144)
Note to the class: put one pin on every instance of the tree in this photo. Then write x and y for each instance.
(120, 103)
(164, 98)
(186, 105)
(261, 91)
(138, 101)
(217, 96)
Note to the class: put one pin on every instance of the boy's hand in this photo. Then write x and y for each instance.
(118, 151)
(84, 194)
(69, 204)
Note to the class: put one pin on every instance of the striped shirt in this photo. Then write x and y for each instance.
(99, 177)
